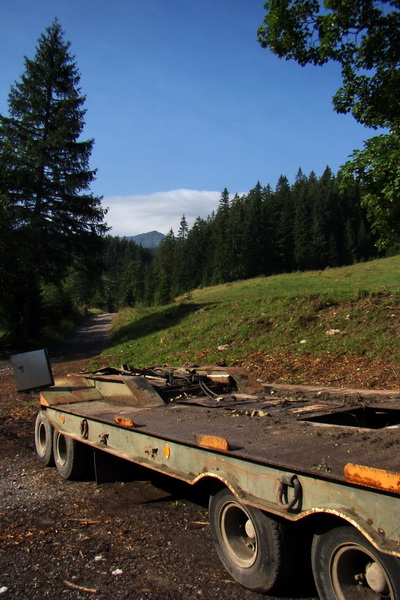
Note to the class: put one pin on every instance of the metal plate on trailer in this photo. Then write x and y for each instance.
(71, 390)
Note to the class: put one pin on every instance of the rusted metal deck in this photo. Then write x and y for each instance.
(316, 433)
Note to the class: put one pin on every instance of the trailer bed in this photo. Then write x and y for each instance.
(286, 473)
(316, 434)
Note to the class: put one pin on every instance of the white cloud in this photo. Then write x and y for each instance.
(161, 211)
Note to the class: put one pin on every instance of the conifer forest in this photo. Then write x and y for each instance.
(304, 226)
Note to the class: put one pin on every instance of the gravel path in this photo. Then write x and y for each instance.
(90, 338)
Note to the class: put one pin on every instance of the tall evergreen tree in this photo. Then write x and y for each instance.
(44, 171)
(221, 243)
(253, 230)
(198, 245)
(303, 251)
(270, 217)
(181, 272)
(183, 229)
(283, 235)
(236, 236)
(163, 269)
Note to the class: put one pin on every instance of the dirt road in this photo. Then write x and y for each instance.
(131, 538)
(88, 339)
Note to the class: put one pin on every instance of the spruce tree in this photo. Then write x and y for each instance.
(236, 236)
(163, 269)
(303, 252)
(198, 246)
(282, 212)
(254, 243)
(45, 174)
(221, 258)
(181, 281)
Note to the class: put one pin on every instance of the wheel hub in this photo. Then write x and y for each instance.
(352, 568)
(376, 578)
(249, 528)
(239, 535)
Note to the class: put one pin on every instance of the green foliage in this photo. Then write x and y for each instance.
(363, 36)
(124, 278)
(338, 312)
(163, 269)
(45, 177)
(58, 314)
(377, 166)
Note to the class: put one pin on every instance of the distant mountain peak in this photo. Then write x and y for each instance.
(150, 239)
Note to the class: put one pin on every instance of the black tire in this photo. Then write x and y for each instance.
(346, 566)
(44, 439)
(70, 456)
(251, 545)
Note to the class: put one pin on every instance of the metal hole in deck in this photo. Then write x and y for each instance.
(366, 417)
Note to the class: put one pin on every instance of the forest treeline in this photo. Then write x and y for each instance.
(307, 225)
(304, 226)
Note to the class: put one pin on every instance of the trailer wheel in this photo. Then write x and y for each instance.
(346, 566)
(69, 456)
(44, 439)
(251, 545)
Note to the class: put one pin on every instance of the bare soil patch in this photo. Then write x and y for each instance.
(344, 371)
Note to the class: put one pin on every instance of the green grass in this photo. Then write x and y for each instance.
(279, 315)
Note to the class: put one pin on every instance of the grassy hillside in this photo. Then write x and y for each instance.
(337, 326)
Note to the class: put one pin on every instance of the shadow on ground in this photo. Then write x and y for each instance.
(169, 317)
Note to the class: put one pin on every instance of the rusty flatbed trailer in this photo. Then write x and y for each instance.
(288, 476)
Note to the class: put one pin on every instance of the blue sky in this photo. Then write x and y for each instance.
(183, 102)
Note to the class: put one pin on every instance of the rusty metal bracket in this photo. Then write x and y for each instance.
(104, 438)
(84, 429)
(286, 482)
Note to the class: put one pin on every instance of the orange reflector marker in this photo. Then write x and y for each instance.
(212, 441)
(124, 421)
(369, 476)
(43, 400)
(167, 451)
